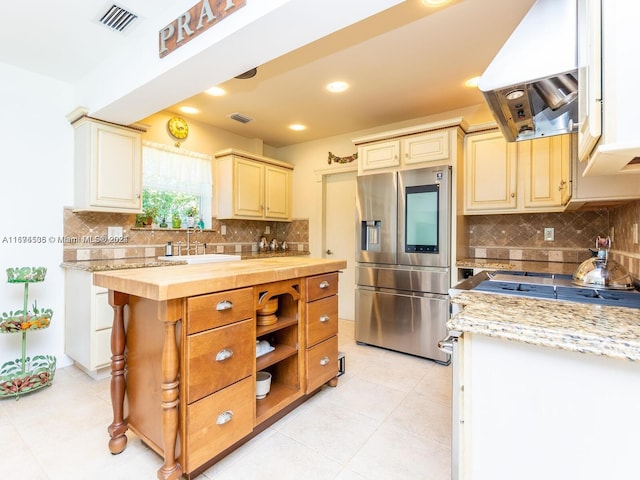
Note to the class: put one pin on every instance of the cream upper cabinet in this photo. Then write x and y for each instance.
(379, 155)
(108, 167)
(490, 176)
(528, 176)
(411, 147)
(250, 186)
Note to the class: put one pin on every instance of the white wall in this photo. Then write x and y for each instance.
(36, 182)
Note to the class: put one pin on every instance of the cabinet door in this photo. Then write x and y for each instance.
(116, 180)
(380, 155)
(426, 148)
(248, 179)
(277, 193)
(544, 161)
(490, 174)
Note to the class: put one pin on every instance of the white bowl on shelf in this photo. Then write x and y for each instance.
(263, 384)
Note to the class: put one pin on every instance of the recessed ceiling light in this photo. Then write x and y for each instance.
(297, 127)
(216, 91)
(189, 110)
(337, 87)
(472, 82)
(435, 3)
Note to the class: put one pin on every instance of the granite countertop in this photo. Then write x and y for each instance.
(143, 262)
(117, 264)
(517, 265)
(585, 328)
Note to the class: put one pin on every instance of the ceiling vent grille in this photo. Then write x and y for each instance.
(117, 18)
(240, 117)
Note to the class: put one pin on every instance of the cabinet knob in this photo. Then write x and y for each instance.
(224, 305)
(513, 195)
(224, 417)
(324, 318)
(324, 284)
(224, 354)
(324, 361)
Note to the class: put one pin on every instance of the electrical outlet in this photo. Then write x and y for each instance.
(114, 232)
(635, 233)
(549, 234)
(267, 230)
(223, 229)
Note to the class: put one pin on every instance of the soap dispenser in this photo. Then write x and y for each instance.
(168, 250)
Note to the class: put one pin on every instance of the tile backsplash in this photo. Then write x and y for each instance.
(521, 236)
(86, 236)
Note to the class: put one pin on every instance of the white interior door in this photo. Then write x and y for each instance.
(339, 213)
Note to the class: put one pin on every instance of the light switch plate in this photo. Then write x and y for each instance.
(549, 234)
(635, 233)
(114, 232)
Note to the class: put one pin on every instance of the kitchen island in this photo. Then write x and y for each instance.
(183, 347)
(545, 389)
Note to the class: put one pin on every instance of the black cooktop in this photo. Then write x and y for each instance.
(554, 287)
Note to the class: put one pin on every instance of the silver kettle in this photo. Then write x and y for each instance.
(600, 271)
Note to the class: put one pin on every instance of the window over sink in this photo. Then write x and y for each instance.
(174, 181)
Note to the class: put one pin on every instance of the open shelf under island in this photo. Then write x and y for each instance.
(184, 352)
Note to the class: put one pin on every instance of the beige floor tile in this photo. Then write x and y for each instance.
(397, 454)
(387, 418)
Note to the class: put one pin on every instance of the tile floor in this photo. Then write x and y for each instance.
(388, 418)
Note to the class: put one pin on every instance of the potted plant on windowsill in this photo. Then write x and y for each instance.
(145, 219)
(191, 213)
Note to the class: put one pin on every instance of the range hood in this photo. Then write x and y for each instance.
(531, 85)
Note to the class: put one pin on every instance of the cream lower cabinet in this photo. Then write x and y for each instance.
(88, 320)
(252, 187)
(108, 167)
(516, 177)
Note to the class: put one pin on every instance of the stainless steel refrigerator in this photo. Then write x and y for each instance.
(403, 244)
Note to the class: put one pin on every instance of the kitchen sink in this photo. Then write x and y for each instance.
(207, 258)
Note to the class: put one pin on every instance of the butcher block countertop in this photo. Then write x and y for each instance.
(579, 327)
(178, 281)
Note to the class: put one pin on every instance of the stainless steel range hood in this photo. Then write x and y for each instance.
(531, 85)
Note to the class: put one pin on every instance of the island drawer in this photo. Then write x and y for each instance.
(322, 363)
(218, 421)
(218, 357)
(321, 286)
(322, 319)
(217, 309)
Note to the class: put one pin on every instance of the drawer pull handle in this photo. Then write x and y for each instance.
(224, 305)
(324, 361)
(324, 318)
(224, 354)
(224, 417)
(324, 284)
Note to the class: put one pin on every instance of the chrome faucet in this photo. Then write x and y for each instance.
(191, 230)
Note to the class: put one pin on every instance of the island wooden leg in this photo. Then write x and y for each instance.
(117, 429)
(171, 469)
(333, 382)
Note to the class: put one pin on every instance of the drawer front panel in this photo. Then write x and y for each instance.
(210, 311)
(322, 363)
(322, 286)
(218, 421)
(219, 357)
(322, 320)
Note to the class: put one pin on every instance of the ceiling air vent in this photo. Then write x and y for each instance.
(117, 18)
(240, 117)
